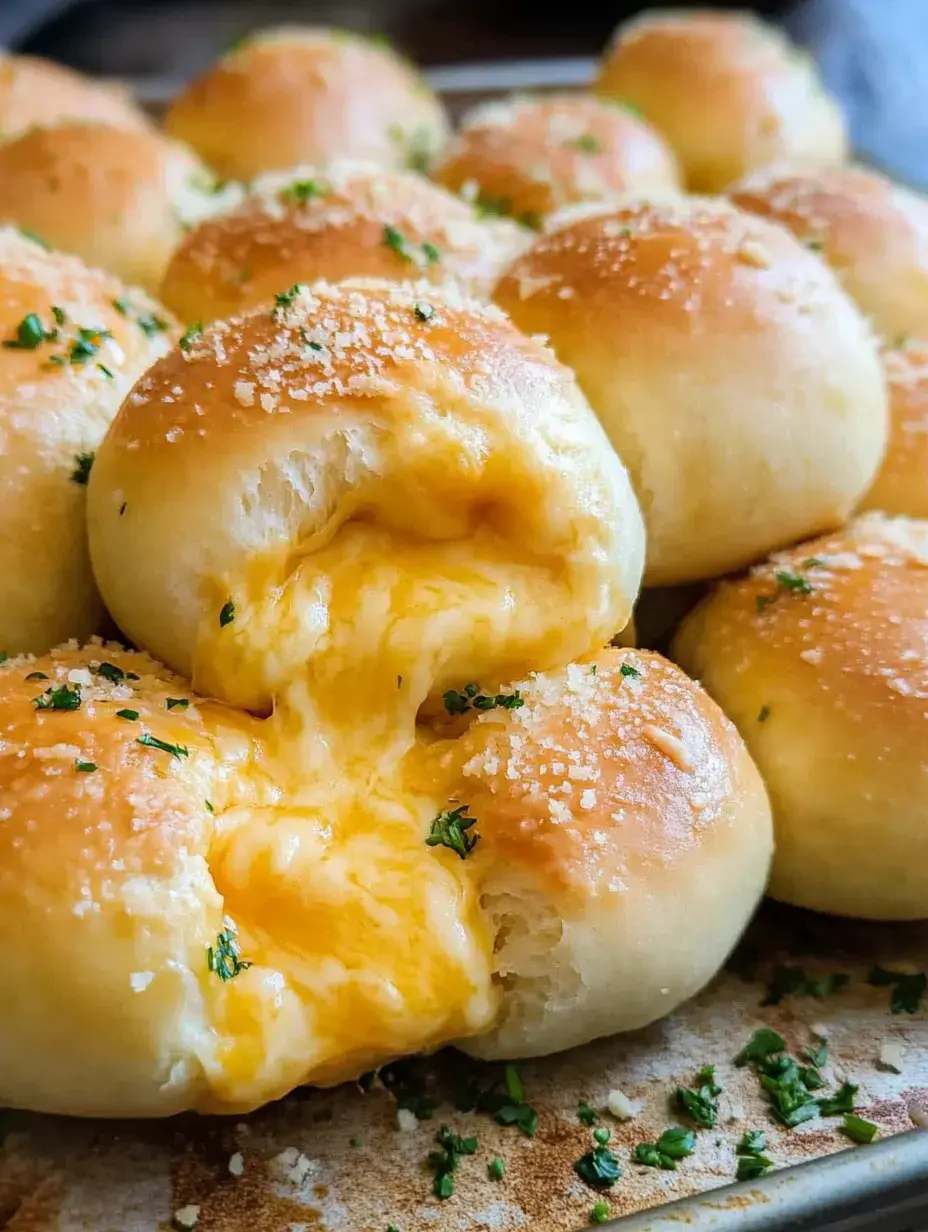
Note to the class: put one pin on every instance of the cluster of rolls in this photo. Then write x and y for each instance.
(375, 762)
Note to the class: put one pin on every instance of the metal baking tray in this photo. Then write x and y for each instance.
(338, 1159)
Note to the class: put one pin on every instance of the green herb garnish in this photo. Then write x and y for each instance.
(37, 676)
(587, 143)
(673, 1144)
(189, 337)
(132, 715)
(225, 958)
(701, 1104)
(763, 714)
(763, 1043)
(226, 614)
(818, 1055)
(586, 1115)
(496, 1168)
(859, 1130)
(30, 334)
(753, 1142)
(793, 982)
(152, 742)
(110, 672)
(629, 672)
(301, 191)
(908, 989)
(423, 311)
(286, 299)
(85, 767)
(472, 698)
(600, 1212)
(445, 1160)
(841, 1101)
(65, 697)
(177, 703)
(450, 829)
(598, 1167)
(750, 1167)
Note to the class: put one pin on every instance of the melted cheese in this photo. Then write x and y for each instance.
(366, 942)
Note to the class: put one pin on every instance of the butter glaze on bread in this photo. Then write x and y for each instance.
(820, 658)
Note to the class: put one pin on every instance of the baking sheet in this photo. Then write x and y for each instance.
(339, 1160)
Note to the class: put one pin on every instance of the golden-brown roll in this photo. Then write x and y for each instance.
(610, 807)
(526, 157)
(872, 232)
(819, 657)
(728, 92)
(120, 200)
(365, 432)
(36, 92)
(309, 95)
(73, 343)
(901, 485)
(735, 378)
(348, 221)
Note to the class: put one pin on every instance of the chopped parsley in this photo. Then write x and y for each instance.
(841, 1101)
(86, 345)
(750, 1167)
(515, 1088)
(37, 676)
(132, 715)
(859, 1130)
(599, 1167)
(472, 698)
(908, 989)
(763, 1043)
(189, 337)
(30, 334)
(107, 372)
(397, 242)
(507, 1107)
(793, 982)
(444, 1162)
(450, 829)
(226, 614)
(701, 1104)
(110, 672)
(600, 1212)
(587, 143)
(148, 323)
(59, 315)
(83, 465)
(788, 582)
(629, 672)
(85, 767)
(763, 714)
(177, 703)
(152, 742)
(286, 299)
(496, 1169)
(673, 1144)
(65, 697)
(423, 311)
(209, 806)
(753, 1142)
(814, 245)
(818, 1055)
(224, 959)
(586, 1115)
(302, 191)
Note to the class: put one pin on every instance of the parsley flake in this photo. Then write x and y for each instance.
(763, 1043)
(423, 311)
(177, 703)
(37, 676)
(629, 672)
(701, 1104)
(396, 241)
(85, 767)
(793, 982)
(818, 1055)
(586, 1115)
(286, 299)
(189, 337)
(65, 697)
(496, 1169)
(841, 1101)
(750, 1167)
(152, 742)
(598, 1167)
(302, 191)
(450, 829)
(859, 1130)
(226, 614)
(753, 1142)
(209, 806)
(110, 672)
(472, 698)
(673, 1144)
(600, 1212)
(587, 143)
(224, 959)
(81, 472)
(30, 334)
(445, 1160)
(132, 715)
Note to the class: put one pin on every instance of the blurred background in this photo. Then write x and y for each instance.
(873, 53)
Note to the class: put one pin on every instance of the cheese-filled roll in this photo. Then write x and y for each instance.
(349, 220)
(872, 232)
(820, 656)
(728, 92)
(40, 93)
(608, 803)
(309, 95)
(739, 384)
(525, 157)
(396, 442)
(118, 199)
(73, 343)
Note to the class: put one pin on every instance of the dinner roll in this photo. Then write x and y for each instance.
(610, 809)
(158, 953)
(737, 381)
(309, 95)
(820, 657)
(398, 437)
(118, 199)
(351, 220)
(525, 157)
(36, 92)
(872, 232)
(728, 92)
(73, 342)
(901, 485)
